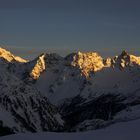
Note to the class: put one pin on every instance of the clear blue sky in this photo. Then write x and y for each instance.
(70, 24)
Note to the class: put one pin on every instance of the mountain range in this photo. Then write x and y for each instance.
(79, 92)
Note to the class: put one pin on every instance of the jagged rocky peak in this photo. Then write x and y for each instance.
(39, 67)
(10, 57)
(124, 56)
(120, 60)
(87, 62)
(42, 62)
(125, 59)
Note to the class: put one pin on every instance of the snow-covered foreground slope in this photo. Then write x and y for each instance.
(121, 131)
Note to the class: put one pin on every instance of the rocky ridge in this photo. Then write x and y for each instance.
(86, 62)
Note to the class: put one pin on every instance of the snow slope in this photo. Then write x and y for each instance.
(121, 131)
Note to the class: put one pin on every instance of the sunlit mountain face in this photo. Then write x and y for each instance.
(80, 92)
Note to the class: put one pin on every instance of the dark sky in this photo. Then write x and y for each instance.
(67, 25)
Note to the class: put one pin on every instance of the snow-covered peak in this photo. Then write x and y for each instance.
(42, 62)
(125, 60)
(88, 62)
(10, 57)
